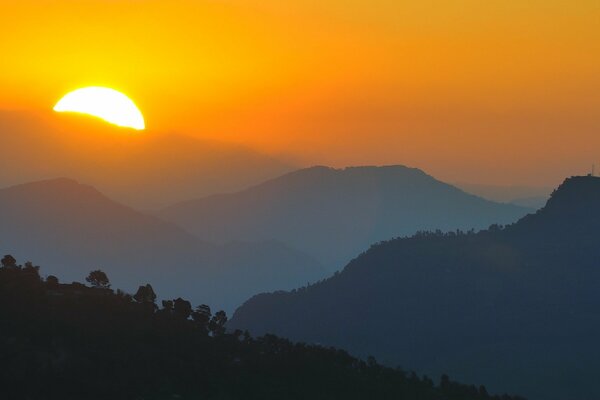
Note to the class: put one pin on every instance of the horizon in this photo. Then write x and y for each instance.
(452, 89)
(79, 124)
(496, 193)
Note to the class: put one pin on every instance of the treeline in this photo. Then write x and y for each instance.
(420, 237)
(73, 341)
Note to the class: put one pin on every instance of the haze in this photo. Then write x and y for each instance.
(496, 92)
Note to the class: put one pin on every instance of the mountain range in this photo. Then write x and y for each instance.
(534, 197)
(334, 214)
(144, 170)
(516, 308)
(72, 341)
(67, 226)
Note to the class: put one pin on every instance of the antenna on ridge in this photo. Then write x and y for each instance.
(593, 168)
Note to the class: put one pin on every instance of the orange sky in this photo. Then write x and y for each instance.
(469, 90)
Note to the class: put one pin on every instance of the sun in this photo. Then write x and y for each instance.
(105, 103)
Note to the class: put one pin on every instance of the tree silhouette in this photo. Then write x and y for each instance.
(98, 279)
(217, 323)
(52, 281)
(483, 391)
(32, 270)
(167, 306)
(444, 382)
(201, 316)
(182, 308)
(9, 261)
(145, 294)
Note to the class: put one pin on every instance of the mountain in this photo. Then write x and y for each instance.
(535, 202)
(534, 197)
(71, 341)
(334, 214)
(146, 169)
(70, 226)
(515, 308)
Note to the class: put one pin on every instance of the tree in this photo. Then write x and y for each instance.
(247, 337)
(182, 308)
(444, 382)
(32, 270)
(483, 391)
(167, 306)
(217, 323)
(202, 316)
(371, 361)
(145, 294)
(52, 281)
(98, 280)
(124, 296)
(8, 261)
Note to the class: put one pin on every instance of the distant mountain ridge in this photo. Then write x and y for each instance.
(146, 170)
(335, 214)
(508, 307)
(534, 197)
(70, 226)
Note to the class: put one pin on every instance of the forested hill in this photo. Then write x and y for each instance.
(71, 341)
(516, 308)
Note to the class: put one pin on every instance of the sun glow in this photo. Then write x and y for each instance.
(105, 103)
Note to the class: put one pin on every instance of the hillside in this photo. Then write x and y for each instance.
(75, 229)
(516, 308)
(70, 341)
(533, 197)
(335, 214)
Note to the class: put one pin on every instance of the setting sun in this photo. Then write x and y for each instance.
(105, 103)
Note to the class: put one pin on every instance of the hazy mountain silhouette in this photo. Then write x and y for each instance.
(534, 197)
(72, 226)
(146, 169)
(535, 202)
(336, 213)
(516, 308)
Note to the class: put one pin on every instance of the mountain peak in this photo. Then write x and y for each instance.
(335, 214)
(572, 207)
(533, 286)
(63, 189)
(577, 197)
(59, 181)
(576, 191)
(362, 168)
(364, 173)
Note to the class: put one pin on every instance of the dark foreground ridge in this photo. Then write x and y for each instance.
(515, 308)
(71, 341)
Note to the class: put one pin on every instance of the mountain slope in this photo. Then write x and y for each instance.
(71, 226)
(527, 196)
(70, 341)
(335, 214)
(512, 308)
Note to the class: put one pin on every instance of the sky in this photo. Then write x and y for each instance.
(497, 92)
